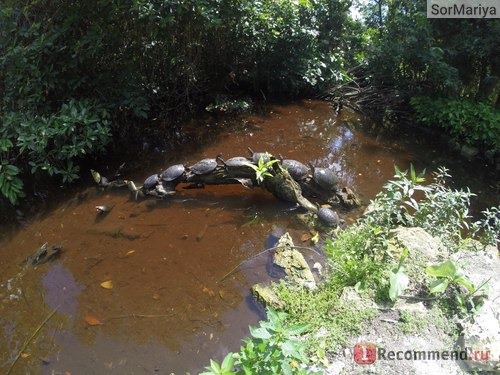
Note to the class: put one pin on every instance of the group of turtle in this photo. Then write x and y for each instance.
(238, 168)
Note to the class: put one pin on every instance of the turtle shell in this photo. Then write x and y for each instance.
(328, 217)
(151, 181)
(297, 170)
(325, 178)
(257, 155)
(236, 162)
(173, 172)
(204, 166)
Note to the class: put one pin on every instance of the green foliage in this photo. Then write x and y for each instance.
(86, 67)
(358, 257)
(468, 122)
(11, 186)
(398, 279)
(332, 320)
(225, 368)
(52, 142)
(418, 55)
(441, 211)
(394, 205)
(488, 228)
(273, 349)
(447, 273)
(262, 168)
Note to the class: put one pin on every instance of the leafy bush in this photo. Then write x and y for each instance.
(52, 143)
(472, 123)
(273, 349)
(11, 186)
(359, 255)
(441, 211)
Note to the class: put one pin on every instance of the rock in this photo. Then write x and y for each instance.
(468, 151)
(351, 296)
(265, 295)
(293, 263)
(481, 334)
(417, 240)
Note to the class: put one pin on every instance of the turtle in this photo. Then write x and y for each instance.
(100, 180)
(204, 166)
(328, 217)
(235, 162)
(256, 156)
(297, 170)
(173, 172)
(134, 189)
(325, 178)
(151, 182)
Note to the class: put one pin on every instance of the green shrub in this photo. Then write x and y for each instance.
(442, 211)
(53, 143)
(273, 349)
(468, 122)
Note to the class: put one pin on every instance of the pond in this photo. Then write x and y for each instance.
(162, 286)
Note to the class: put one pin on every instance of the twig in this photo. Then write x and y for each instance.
(26, 343)
(259, 254)
(141, 316)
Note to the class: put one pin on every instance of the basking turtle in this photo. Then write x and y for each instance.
(328, 217)
(134, 189)
(100, 180)
(325, 178)
(297, 170)
(151, 182)
(204, 166)
(173, 173)
(235, 162)
(256, 156)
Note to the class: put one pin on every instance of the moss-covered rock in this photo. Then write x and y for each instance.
(293, 262)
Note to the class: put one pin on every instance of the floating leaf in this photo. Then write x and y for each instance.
(305, 237)
(107, 284)
(130, 252)
(208, 291)
(92, 320)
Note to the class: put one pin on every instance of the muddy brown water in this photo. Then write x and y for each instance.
(174, 302)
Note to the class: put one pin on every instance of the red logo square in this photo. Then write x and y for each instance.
(365, 353)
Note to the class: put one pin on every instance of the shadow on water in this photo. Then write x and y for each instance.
(174, 301)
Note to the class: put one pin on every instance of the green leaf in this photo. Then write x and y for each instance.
(227, 363)
(297, 329)
(445, 269)
(260, 333)
(439, 285)
(214, 366)
(465, 282)
(398, 282)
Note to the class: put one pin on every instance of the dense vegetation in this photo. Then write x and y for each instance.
(75, 77)
(73, 74)
(456, 61)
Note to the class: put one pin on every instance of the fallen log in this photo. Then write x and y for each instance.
(269, 175)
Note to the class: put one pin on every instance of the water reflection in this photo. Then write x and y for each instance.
(61, 290)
